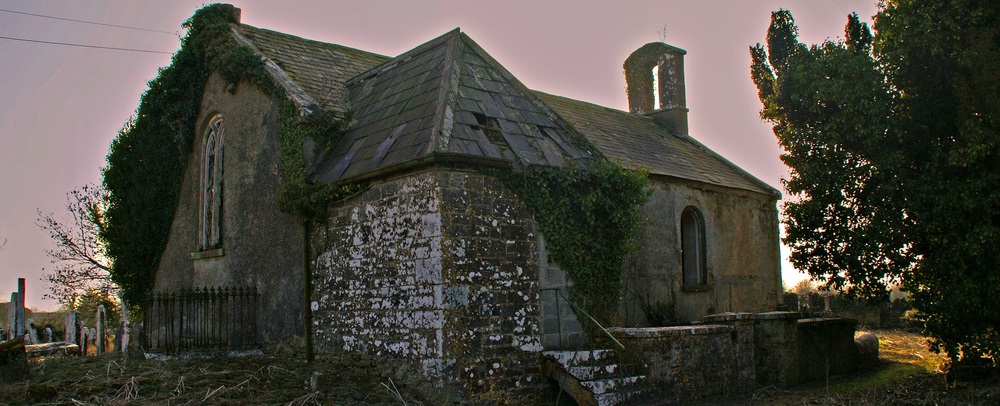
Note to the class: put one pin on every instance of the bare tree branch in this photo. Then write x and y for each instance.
(79, 258)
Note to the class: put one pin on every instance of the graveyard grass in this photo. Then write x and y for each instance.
(908, 374)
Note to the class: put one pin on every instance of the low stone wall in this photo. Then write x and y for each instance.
(688, 362)
(732, 352)
(776, 345)
(826, 348)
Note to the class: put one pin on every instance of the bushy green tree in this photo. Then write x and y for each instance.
(894, 152)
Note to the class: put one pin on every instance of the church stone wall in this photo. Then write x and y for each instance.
(438, 267)
(261, 246)
(741, 254)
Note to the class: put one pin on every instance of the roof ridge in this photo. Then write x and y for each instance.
(392, 61)
(556, 118)
(315, 41)
(444, 115)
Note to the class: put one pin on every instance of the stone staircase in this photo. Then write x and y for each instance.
(595, 377)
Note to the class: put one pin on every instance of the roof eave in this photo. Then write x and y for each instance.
(305, 103)
(436, 158)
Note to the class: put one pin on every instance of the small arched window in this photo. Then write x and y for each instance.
(693, 247)
(212, 182)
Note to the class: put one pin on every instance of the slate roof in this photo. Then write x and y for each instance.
(321, 69)
(449, 99)
(639, 142)
(445, 98)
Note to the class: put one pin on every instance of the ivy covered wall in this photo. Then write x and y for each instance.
(261, 244)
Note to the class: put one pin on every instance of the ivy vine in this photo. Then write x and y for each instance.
(590, 219)
(146, 160)
(298, 195)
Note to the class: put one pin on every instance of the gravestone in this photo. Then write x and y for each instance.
(47, 335)
(15, 315)
(124, 329)
(11, 332)
(101, 330)
(13, 361)
(19, 309)
(30, 335)
(70, 327)
(119, 336)
(81, 335)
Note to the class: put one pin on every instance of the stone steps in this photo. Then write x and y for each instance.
(622, 397)
(595, 377)
(592, 372)
(581, 357)
(602, 386)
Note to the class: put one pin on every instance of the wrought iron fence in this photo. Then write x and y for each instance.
(217, 318)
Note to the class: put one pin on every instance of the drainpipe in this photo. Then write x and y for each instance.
(307, 290)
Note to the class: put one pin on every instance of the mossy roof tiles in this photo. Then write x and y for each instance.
(319, 68)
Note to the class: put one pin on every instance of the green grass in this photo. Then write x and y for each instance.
(904, 356)
(908, 374)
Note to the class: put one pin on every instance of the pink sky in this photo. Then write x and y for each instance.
(62, 106)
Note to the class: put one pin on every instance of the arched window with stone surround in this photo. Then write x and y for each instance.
(693, 247)
(212, 182)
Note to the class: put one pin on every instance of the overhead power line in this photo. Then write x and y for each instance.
(89, 22)
(85, 46)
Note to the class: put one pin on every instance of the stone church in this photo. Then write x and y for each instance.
(437, 263)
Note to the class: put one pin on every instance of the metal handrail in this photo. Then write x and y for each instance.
(591, 318)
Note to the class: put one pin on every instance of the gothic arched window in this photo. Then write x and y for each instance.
(211, 192)
(693, 247)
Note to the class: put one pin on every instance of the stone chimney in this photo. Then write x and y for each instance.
(672, 111)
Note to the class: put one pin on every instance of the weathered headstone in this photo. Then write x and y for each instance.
(101, 331)
(125, 329)
(11, 317)
(119, 336)
(19, 321)
(70, 335)
(13, 361)
(81, 335)
(30, 335)
(47, 335)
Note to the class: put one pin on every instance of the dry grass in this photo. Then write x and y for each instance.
(908, 375)
(258, 380)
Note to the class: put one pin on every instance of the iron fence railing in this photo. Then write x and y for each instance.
(216, 318)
